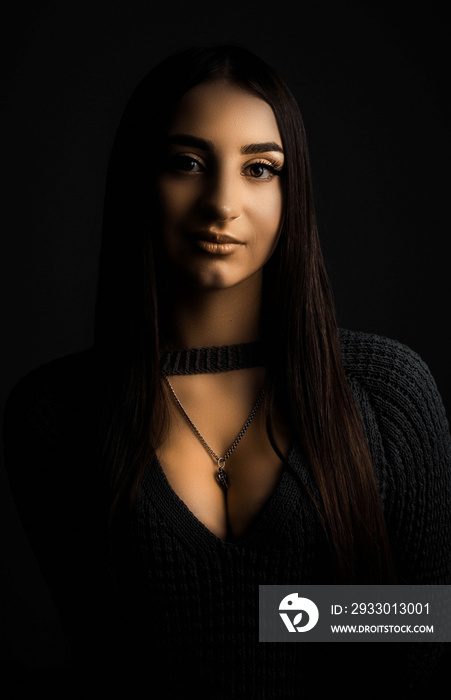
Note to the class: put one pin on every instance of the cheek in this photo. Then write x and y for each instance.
(174, 202)
(268, 217)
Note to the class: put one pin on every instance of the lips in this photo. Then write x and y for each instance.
(215, 243)
(213, 237)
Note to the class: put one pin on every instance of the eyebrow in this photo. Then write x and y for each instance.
(262, 147)
(206, 145)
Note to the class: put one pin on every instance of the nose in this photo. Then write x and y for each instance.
(222, 195)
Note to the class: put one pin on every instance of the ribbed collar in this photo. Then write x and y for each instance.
(223, 358)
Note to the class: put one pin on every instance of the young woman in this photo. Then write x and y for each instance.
(223, 433)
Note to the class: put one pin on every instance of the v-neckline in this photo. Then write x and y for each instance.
(264, 526)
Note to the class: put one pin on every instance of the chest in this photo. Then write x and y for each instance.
(253, 471)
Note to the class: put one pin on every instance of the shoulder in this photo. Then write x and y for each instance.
(408, 430)
(55, 376)
(67, 368)
(399, 386)
(385, 365)
(47, 395)
(366, 355)
(49, 432)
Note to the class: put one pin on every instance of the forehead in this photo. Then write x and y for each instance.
(217, 109)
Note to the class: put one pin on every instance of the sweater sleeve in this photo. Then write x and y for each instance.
(49, 445)
(406, 421)
(415, 479)
(30, 437)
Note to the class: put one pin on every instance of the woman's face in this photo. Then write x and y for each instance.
(220, 190)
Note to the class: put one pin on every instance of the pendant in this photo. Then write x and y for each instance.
(222, 476)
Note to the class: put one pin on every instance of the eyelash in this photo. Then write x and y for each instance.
(273, 167)
(177, 162)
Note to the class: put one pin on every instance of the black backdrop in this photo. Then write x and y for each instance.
(372, 84)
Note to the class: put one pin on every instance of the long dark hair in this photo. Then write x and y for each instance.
(305, 372)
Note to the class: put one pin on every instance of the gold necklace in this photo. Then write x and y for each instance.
(221, 475)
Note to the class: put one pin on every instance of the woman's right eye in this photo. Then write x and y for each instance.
(186, 164)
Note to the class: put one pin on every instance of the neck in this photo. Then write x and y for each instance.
(214, 317)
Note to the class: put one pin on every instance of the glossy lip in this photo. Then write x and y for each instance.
(215, 243)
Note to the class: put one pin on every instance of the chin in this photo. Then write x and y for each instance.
(213, 283)
(209, 277)
(215, 274)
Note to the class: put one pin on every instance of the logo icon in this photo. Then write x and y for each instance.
(306, 606)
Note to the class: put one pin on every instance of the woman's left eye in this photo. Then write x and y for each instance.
(262, 171)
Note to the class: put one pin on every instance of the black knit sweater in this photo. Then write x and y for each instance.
(180, 605)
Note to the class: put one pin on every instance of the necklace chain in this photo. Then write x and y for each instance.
(222, 476)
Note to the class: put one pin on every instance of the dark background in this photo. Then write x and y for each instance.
(372, 84)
